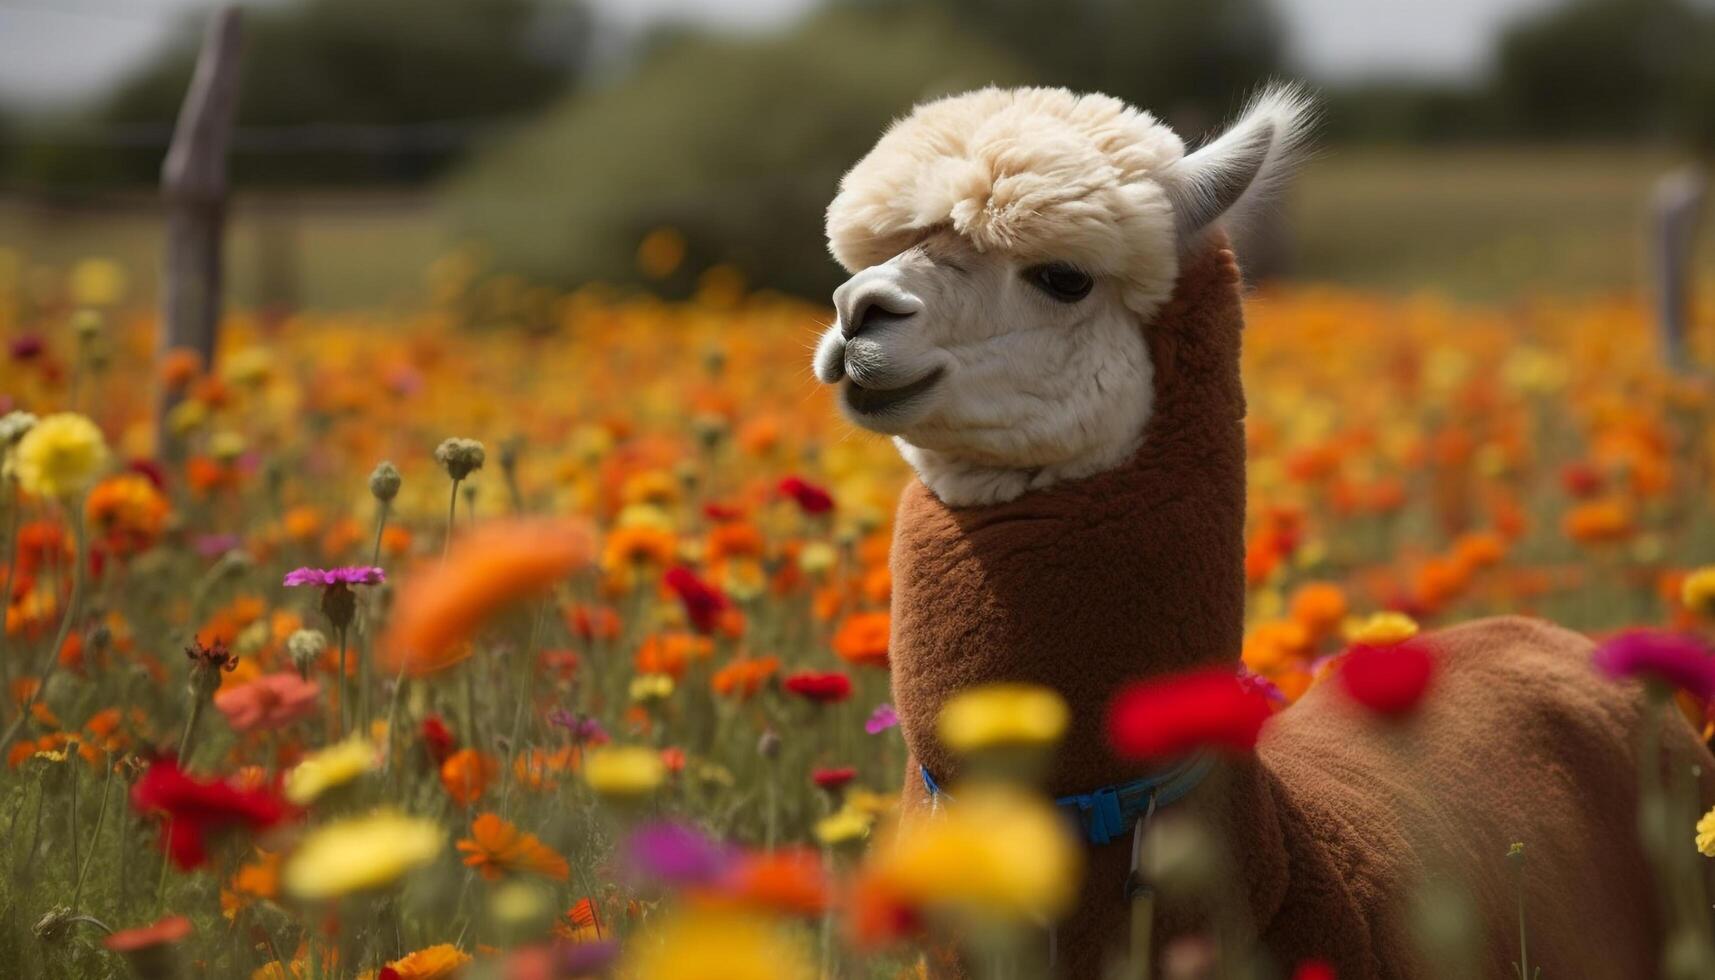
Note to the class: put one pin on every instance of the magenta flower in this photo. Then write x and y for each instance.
(349, 575)
(677, 855)
(1669, 658)
(881, 719)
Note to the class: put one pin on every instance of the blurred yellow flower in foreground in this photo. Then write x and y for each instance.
(997, 854)
(361, 853)
(626, 770)
(1698, 591)
(333, 766)
(711, 944)
(1382, 629)
(997, 715)
(61, 456)
(651, 687)
(1706, 834)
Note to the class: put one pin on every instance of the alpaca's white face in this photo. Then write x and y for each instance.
(993, 375)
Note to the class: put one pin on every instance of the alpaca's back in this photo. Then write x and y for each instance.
(1520, 741)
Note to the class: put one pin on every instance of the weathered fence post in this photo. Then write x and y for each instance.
(193, 187)
(1675, 208)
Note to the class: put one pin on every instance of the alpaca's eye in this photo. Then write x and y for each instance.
(1066, 283)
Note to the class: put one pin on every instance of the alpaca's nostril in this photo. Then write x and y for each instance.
(874, 310)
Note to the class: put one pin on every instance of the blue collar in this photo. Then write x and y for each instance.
(1110, 811)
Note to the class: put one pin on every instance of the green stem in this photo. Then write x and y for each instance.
(12, 509)
(344, 686)
(380, 527)
(452, 511)
(190, 724)
(94, 838)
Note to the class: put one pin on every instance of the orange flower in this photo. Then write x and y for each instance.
(744, 677)
(440, 962)
(495, 848)
(1598, 522)
(441, 608)
(536, 768)
(127, 511)
(1318, 607)
(628, 547)
(1479, 549)
(671, 653)
(790, 880)
(581, 923)
(179, 367)
(466, 774)
(862, 639)
(735, 539)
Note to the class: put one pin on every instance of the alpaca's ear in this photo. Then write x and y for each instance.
(1226, 178)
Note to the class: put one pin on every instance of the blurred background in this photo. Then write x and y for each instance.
(1477, 147)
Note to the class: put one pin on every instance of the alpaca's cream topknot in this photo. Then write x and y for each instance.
(1039, 173)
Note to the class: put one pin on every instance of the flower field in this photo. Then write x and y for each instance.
(531, 634)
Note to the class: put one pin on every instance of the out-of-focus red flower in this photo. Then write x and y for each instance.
(703, 602)
(169, 930)
(721, 513)
(1314, 970)
(820, 688)
(1168, 716)
(1581, 480)
(194, 808)
(438, 739)
(833, 779)
(1388, 680)
(810, 498)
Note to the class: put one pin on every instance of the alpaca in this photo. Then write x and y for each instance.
(1045, 317)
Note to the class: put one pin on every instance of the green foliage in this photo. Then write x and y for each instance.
(737, 143)
(1616, 68)
(320, 62)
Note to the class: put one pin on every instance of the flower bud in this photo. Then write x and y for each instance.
(460, 457)
(305, 648)
(768, 746)
(384, 481)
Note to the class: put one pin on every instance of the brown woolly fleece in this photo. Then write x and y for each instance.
(1088, 585)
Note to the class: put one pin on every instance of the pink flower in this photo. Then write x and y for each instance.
(269, 701)
(349, 575)
(1682, 661)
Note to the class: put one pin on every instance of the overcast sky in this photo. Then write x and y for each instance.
(55, 51)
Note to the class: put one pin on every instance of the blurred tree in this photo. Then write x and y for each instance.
(736, 143)
(336, 66)
(1191, 61)
(1613, 68)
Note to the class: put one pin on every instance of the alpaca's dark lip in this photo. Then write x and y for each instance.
(879, 401)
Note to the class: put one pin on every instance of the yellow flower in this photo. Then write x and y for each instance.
(1000, 715)
(624, 771)
(716, 944)
(61, 456)
(1706, 834)
(651, 687)
(844, 826)
(333, 766)
(1698, 591)
(1382, 629)
(817, 556)
(997, 854)
(430, 963)
(361, 853)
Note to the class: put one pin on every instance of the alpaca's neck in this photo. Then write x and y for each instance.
(1090, 584)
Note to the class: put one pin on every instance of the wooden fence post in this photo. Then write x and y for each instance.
(193, 188)
(1675, 209)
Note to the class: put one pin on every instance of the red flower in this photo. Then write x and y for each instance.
(169, 930)
(193, 808)
(820, 688)
(833, 779)
(1313, 970)
(721, 513)
(810, 498)
(438, 739)
(1167, 716)
(1388, 680)
(703, 602)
